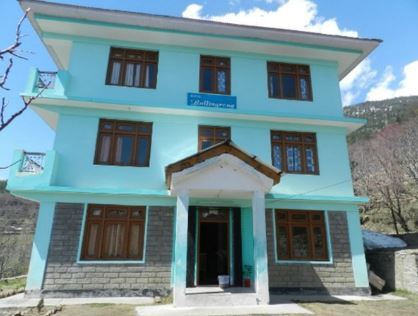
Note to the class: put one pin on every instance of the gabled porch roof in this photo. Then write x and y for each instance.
(235, 169)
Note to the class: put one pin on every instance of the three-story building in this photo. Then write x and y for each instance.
(186, 150)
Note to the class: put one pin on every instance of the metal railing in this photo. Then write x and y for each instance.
(33, 162)
(46, 79)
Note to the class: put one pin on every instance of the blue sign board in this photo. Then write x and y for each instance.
(212, 101)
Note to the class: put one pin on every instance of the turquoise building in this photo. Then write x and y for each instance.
(189, 153)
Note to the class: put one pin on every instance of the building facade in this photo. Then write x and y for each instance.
(185, 150)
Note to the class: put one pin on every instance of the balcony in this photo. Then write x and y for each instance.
(32, 170)
(53, 84)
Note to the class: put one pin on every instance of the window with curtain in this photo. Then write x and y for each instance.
(301, 235)
(132, 68)
(289, 81)
(294, 152)
(114, 232)
(215, 74)
(212, 135)
(123, 143)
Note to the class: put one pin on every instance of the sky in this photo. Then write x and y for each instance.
(390, 71)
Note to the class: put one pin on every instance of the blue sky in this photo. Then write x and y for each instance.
(392, 70)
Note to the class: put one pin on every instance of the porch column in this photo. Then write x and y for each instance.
(180, 249)
(261, 280)
(40, 247)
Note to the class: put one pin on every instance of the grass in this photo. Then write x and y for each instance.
(369, 308)
(333, 308)
(10, 285)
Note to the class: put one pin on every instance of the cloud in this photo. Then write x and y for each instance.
(359, 79)
(299, 15)
(407, 86)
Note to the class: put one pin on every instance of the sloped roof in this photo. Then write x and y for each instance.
(225, 147)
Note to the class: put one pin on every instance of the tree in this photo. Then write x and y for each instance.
(9, 53)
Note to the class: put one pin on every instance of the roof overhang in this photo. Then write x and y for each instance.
(59, 24)
(223, 171)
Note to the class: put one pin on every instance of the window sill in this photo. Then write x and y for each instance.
(110, 261)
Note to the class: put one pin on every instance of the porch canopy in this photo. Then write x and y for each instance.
(221, 171)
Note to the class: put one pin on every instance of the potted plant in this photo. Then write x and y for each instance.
(248, 272)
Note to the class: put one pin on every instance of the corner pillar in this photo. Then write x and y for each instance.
(40, 246)
(261, 281)
(180, 249)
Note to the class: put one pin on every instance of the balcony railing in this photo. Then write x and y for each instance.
(32, 163)
(46, 79)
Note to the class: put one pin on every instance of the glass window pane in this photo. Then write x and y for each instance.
(129, 75)
(126, 127)
(135, 241)
(289, 86)
(137, 79)
(222, 133)
(221, 80)
(142, 151)
(144, 128)
(310, 161)
(206, 143)
(206, 131)
(274, 85)
(207, 79)
(276, 137)
(123, 151)
(277, 156)
(114, 240)
(116, 212)
(299, 216)
(104, 152)
(304, 88)
(92, 240)
(318, 239)
(150, 75)
(114, 79)
(300, 242)
(282, 242)
(294, 163)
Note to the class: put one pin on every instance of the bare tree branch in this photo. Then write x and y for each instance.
(6, 75)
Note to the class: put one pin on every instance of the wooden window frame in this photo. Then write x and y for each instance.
(213, 138)
(147, 57)
(277, 68)
(310, 223)
(114, 133)
(302, 144)
(105, 219)
(215, 67)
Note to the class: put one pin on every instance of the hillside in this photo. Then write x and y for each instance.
(380, 114)
(384, 162)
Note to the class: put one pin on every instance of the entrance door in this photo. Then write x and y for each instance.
(213, 244)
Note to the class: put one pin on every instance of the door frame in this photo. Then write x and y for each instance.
(198, 224)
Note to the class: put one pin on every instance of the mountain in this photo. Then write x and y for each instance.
(380, 114)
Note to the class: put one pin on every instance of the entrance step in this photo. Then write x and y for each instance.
(214, 296)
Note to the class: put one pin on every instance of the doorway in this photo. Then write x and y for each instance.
(213, 244)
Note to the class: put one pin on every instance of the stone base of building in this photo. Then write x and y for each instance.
(99, 293)
(363, 291)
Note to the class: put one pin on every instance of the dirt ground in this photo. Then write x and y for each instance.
(338, 308)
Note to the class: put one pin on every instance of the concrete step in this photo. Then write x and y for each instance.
(220, 299)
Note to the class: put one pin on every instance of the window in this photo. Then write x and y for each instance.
(215, 76)
(123, 143)
(114, 232)
(294, 152)
(211, 135)
(287, 81)
(132, 68)
(301, 235)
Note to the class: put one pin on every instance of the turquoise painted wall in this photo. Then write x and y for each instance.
(247, 238)
(178, 74)
(175, 137)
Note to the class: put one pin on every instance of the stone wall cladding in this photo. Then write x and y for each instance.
(64, 277)
(335, 278)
